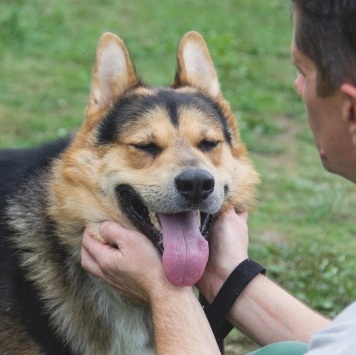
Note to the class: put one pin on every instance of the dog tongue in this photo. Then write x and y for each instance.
(186, 251)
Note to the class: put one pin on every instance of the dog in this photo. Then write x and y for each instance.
(150, 158)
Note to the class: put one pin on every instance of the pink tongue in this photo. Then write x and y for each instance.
(186, 251)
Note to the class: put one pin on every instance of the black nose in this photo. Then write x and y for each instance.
(196, 185)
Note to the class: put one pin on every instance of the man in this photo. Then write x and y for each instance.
(324, 52)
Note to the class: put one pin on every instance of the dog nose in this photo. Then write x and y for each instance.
(196, 185)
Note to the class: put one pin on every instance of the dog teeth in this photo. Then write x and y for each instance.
(157, 226)
(155, 221)
(198, 218)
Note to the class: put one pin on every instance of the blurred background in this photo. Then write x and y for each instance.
(303, 229)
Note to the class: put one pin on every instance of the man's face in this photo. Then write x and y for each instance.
(326, 119)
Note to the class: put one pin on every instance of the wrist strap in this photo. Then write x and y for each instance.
(217, 312)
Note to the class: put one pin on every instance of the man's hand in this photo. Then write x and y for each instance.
(228, 244)
(129, 262)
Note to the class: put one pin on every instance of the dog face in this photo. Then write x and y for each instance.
(164, 160)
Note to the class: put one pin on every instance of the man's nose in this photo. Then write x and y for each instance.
(299, 84)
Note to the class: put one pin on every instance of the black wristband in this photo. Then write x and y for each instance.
(227, 295)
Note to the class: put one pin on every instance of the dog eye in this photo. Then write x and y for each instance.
(207, 145)
(149, 148)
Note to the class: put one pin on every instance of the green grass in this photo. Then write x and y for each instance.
(303, 228)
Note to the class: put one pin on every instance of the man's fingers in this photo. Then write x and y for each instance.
(113, 233)
(93, 246)
(89, 264)
(101, 253)
(244, 216)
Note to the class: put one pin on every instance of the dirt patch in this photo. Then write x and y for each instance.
(287, 138)
(271, 237)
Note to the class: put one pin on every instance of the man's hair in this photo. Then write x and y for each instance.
(325, 31)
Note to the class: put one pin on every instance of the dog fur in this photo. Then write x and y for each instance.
(136, 137)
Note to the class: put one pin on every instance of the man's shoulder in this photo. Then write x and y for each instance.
(338, 337)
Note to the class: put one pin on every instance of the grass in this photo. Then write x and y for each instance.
(304, 227)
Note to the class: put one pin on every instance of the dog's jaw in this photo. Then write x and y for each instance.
(179, 236)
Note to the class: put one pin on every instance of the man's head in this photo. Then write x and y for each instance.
(325, 31)
(324, 52)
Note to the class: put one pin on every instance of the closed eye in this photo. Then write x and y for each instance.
(150, 148)
(207, 145)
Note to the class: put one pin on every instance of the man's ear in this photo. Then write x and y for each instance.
(349, 109)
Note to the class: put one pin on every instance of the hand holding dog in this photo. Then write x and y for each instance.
(228, 244)
(129, 262)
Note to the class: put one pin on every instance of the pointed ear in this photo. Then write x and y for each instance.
(113, 72)
(195, 66)
(349, 108)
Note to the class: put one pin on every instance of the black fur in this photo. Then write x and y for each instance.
(131, 108)
(17, 165)
(18, 298)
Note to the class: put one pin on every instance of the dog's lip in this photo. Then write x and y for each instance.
(138, 213)
(134, 208)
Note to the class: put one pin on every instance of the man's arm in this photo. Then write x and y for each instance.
(179, 323)
(264, 311)
(267, 314)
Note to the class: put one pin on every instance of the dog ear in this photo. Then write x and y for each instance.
(195, 66)
(113, 72)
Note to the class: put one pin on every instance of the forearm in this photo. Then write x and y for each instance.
(267, 313)
(179, 323)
